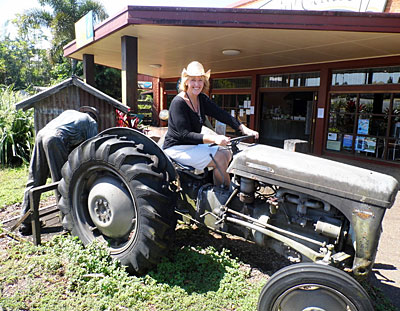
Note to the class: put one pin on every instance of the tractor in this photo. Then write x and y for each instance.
(324, 216)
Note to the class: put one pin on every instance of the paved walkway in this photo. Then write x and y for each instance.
(386, 271)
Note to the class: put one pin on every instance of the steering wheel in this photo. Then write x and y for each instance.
(234, 142)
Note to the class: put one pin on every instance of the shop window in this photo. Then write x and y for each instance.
(232, 83)
(365, 124)
(290, 80)
(171, 86)
(237, 105)
(366, 76)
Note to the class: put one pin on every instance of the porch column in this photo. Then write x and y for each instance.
(129, 72)
(156, 100)
(255, 118)
(88, 69)
(322, 105)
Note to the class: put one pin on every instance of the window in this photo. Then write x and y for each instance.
(366, 76)
(291, 80)
(365, 124)
(232, 83)
(171, 86)
(237, 105)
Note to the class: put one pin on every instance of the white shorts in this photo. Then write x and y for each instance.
(197, 156)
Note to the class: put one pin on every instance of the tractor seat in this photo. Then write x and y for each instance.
(189, 170)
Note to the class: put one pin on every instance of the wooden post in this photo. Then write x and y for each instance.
(88, 69)
(129, 72)
(323, 95)
(156, 100)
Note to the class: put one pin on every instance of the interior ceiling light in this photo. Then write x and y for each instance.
(155, 65)
(231, 52)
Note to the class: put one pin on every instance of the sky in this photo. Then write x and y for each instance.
(8, 11)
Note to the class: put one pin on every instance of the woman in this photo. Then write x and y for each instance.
(184, 141)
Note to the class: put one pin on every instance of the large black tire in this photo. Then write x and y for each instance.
(310, 286)
(113, 190)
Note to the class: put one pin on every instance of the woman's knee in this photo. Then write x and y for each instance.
(223, 157)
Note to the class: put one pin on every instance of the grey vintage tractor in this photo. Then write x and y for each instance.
(323, 216)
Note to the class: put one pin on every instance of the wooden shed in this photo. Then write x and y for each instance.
(72, 93)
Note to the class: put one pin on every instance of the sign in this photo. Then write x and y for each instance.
(363, 126)
(319, 5)
(365, 144)
(84, 30)
(145, 84)
(348, 142)
(220, 128)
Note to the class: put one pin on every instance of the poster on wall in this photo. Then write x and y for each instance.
(365, 144)
(363, 126)
(332, 136)
(333, 145)
(347, 142)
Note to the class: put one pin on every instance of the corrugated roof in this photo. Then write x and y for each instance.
(74, 80)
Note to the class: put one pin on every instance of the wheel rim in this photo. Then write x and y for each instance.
(105, 208)
(312, 297)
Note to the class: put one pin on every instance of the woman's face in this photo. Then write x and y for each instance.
(195, 85)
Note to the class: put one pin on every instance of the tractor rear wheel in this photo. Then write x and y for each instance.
(114, 191)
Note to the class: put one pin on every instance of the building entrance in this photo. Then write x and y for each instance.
(286, 115)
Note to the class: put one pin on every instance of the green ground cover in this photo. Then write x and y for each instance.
(63, 275)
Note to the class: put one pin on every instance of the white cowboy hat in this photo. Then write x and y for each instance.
(195, 69)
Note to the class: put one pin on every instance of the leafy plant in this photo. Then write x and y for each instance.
(16, 129)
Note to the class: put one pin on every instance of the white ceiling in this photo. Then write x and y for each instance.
(175, 46)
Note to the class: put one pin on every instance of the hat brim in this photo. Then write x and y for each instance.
(91, 110)
(207, 74)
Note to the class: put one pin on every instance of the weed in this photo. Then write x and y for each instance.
(16, 129)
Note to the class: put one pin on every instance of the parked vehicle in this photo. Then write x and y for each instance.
(324, 216)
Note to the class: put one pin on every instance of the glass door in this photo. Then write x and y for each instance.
(286, 115)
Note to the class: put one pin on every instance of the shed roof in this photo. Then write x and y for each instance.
(30, 102)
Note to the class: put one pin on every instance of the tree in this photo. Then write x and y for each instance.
(22, 64)
(61, 21)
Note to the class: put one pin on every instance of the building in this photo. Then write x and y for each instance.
(71, 93)
(330, 78)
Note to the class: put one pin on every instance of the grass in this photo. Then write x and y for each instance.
(12, 181)
(63, 275)
(12, 185)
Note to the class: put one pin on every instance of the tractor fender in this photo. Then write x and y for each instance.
(148, 145)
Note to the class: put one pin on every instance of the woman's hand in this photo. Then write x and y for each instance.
(221, 140)
(246, 131)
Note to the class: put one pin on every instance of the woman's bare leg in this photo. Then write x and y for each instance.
(222, 159)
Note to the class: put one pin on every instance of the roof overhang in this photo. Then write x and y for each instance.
(174, 36)
(31, 101)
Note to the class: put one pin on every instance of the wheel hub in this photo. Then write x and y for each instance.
(111, 207)
(102, 210)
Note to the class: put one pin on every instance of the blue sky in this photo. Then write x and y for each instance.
(8, 11)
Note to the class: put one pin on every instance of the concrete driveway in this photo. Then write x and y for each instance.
(386, 271)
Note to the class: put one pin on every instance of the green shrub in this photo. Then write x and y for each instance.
(16, 129)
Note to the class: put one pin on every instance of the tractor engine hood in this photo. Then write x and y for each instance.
(281, 167)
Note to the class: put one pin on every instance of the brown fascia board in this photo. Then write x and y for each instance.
(245, 18)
